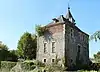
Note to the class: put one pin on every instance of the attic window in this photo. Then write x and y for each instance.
(55, 20)
(70, 19)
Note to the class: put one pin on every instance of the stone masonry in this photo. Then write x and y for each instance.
(64, 40)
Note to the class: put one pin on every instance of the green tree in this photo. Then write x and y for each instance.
(3, 51)
(27, 46)
(95, 36)
(97, 57)
(12, 56)
(3, 46)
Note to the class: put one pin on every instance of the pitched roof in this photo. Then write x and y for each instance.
(60, 19)
(69, 15)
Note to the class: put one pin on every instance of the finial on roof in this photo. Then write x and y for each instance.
(68, 5)
(68, 8)
(69, 15)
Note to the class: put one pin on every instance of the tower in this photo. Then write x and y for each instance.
(65, 40)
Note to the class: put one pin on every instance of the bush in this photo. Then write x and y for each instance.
(95, 66)
(38, 63)
(3, 54)
(27, 65)
(7, 65)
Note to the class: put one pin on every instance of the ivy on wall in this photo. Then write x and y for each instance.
(41, 30)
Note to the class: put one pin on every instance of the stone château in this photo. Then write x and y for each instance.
(64, 40)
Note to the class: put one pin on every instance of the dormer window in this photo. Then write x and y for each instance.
(55, 20)
(70, 19)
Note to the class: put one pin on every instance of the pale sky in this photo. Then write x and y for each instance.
(19, 16)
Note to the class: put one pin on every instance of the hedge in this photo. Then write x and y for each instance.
(27, 65)
(7, 64)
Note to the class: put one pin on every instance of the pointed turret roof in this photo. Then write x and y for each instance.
(69, 16)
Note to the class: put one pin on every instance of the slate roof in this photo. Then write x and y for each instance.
(69, 15)
(61, 20)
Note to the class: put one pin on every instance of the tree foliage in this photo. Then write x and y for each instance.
(27, 46)
(3, 46)
(12, 56)
(3, 51)
(41, 30)
(97, 57)
(5, 54)
(95, 36)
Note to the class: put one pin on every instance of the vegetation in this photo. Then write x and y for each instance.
(6, 66)
(97, 57)
(26, 49)
(5, 54)
(32, 65)
(95, 36)
(3, 51)
(56, 66)
(27, 46)
(41, 30)
(12, 56)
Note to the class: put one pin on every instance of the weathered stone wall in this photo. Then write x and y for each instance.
(67, 39)
(71, 47)
(55, 34)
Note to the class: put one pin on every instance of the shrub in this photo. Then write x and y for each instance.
(41, 30)
(38, 63)
(27, 65)
(7, 65)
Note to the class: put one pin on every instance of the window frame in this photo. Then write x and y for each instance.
(53, 60)
(45, 47)
(44, 60)
(53, 46)
(72, 32)
(79, 47)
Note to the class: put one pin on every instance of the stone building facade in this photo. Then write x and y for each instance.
(64, 40)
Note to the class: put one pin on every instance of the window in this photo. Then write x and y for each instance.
(83, 37)
(70, 19)
(71, 60)
(53, 47)
(53, 60)
(79, 48)
(80, 36)
(72, 32)
(45, 46)
(44, 60)
(44, 70)
(78, 53)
